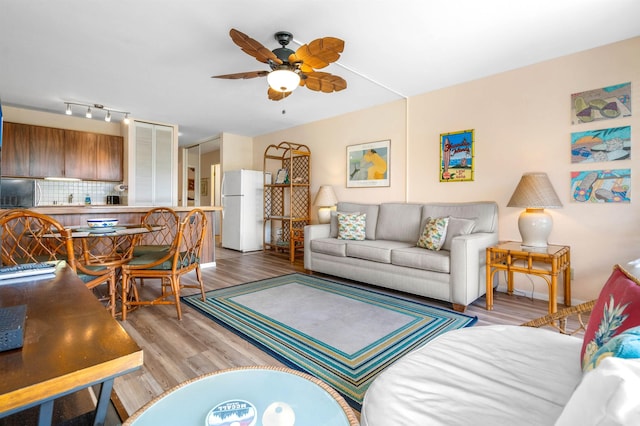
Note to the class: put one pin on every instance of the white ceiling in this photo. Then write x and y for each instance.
(155, 57)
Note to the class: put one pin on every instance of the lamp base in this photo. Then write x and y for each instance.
(535, 226)
(324, 214)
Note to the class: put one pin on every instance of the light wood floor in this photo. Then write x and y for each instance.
(176, 351)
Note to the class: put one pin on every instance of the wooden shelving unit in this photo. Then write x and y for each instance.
(287, 198)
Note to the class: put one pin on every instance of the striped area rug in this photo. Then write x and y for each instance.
(342, 334)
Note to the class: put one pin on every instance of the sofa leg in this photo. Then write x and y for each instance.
(459, 308)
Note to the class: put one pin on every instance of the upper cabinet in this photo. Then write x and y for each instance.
(80, 155)
(15, 149)
(39, 152)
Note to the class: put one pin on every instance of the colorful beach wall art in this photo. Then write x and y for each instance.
(601, 145)
(601, 186)
(601, 104)
(456, 156)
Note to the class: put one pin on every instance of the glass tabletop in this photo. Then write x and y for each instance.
(249, 396)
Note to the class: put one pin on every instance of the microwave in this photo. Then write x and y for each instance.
(18, 193)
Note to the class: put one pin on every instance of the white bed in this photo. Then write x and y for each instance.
(488, 375)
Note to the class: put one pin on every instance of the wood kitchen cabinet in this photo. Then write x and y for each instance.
(46, 152)
(109, 151)
(38, 152)
(15, 149)
(80, 154)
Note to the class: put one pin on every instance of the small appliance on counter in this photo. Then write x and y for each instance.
(113, 199)
(19, 193)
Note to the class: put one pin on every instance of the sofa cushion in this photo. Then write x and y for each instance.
(376, 251)
(484, 213)
(607, 395)
(616, 310)
(419, 258)
(371, 210)
(330, 246)
(351, 226)
(399, 222)
(457, 226)
(434, 233)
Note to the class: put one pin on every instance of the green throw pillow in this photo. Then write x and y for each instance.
(351, 226)
(434, 234)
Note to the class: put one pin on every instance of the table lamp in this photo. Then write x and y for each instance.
(325, 200)
(535, 193)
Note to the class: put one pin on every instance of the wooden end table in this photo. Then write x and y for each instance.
(546, 262)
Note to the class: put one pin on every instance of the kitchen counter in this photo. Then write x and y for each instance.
(111, 208)
(77, 215)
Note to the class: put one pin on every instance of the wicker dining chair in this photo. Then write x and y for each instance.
(30, 237)
(159, 241)
(183, 257)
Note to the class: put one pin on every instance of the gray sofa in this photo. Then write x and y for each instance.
(389, 257)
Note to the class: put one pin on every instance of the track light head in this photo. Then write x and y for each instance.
(88, 114)
(107, 117)
(68, 111)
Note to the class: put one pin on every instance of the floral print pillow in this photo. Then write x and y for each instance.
(616, 310)
(434, 234)
(351, 226)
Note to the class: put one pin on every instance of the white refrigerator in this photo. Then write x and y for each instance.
(242, 209)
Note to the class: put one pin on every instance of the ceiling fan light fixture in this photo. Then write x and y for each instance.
(283, 80)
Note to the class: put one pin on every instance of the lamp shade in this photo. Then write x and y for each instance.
(283, 80)
(535, 193)
(325, 197)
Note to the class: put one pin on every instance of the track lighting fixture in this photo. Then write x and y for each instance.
(89, 113)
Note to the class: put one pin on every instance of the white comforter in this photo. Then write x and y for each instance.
(488, 375)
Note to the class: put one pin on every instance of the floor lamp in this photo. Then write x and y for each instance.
(535, 193)
(326, 201)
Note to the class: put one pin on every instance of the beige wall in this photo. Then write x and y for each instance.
(522, 123)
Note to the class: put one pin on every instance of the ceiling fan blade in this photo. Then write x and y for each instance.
(324, 82)
(253, 47)
(320, 52)
(274, 95)
(243, 75)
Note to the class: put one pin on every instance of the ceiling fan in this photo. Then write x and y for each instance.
(291, 69)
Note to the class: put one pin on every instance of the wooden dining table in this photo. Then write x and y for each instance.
(70, 343)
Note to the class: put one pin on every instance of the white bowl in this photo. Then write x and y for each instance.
(102, 222)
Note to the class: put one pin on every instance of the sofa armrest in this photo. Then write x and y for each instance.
(312, 232)
(468, 261)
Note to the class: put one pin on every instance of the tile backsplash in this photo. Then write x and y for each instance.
(56, 193)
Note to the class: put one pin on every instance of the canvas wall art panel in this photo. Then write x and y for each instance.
(601, 186)
(601, 145)
(601, 104)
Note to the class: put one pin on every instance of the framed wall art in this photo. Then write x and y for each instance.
(456, 156)
(368, 164)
